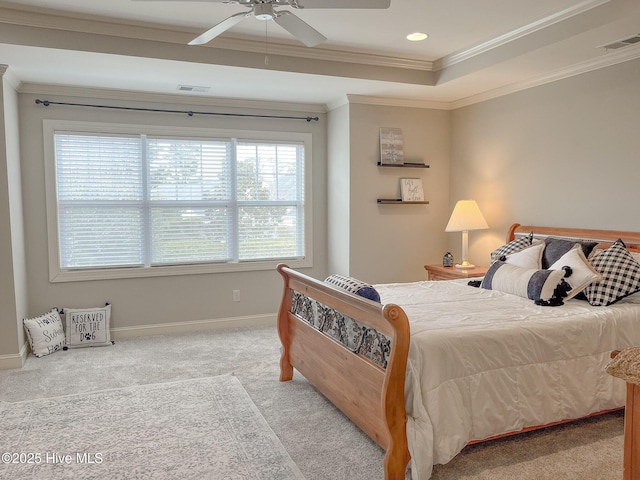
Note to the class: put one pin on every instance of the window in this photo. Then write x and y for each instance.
(151, 202)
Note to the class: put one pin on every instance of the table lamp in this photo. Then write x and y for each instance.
(466, 216)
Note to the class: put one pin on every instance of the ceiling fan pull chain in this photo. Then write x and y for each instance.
(266, 43)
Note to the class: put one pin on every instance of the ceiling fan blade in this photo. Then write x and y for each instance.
(343, 3)
(218, 29)
(208, 1)
(299, 29)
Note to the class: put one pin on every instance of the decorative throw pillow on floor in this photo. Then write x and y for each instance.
(88, 327)
(45, 333)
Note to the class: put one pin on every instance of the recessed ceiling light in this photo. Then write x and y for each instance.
(416, 36)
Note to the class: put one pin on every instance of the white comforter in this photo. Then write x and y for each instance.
(483, 363)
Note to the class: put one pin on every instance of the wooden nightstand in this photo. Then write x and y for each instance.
(438, 272)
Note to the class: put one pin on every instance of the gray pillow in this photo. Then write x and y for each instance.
(556, 247)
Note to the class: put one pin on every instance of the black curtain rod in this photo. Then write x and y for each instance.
(191, 113)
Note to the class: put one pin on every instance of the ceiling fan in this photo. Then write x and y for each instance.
(264, 10)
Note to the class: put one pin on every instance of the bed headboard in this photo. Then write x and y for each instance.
(604, 237)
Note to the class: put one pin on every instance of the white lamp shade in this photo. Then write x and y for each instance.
(466, 216)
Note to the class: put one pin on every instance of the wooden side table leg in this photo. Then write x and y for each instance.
(632, 433)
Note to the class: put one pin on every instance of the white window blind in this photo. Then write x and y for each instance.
(269, 196)
(100, 200)
(145, 201)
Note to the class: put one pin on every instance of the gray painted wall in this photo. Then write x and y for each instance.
(13, 282)
(562, 154)
(392, 243)
(157, 300)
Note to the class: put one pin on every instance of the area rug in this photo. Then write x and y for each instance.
(206, 428)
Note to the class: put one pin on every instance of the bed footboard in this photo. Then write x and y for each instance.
(370, 394)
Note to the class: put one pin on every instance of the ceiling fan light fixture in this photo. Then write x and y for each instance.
(263, 11)
(416, 36)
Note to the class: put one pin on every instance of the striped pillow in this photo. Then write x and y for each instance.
(544, 287)
(354, 286)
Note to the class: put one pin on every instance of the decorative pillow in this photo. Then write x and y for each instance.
(45, 333)
(354, 286)
(620, 272)
(88, 327)
(583, 272)
(544, 287)
(556, 247)
(512, 247)
(530, 257)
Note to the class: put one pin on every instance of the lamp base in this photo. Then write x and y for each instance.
(465, 265)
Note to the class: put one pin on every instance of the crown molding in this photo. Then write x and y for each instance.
(607, 60)
(316, 53)
(179, 99)
(39, 17)
(337, 103)
(398, 102)
(572, 11)
(7, 74)
(108, 26)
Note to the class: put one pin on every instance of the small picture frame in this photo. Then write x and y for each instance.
(411, 190)
(391, 146)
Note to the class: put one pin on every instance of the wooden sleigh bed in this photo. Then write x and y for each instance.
(371, 392)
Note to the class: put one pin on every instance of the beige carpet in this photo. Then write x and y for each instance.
(204, 428)
(589, 449)
(320, 440)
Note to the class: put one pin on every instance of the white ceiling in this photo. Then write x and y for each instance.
(475, 50)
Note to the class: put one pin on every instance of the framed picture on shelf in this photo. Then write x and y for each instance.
(411, 190)
(391, 146)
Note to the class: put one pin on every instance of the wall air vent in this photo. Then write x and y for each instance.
(192, 88)
(622, 43)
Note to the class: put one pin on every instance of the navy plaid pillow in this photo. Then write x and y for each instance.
(620, 272)
(513, 246)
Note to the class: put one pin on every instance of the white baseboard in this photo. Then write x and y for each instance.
(121, 333)
(9, 362)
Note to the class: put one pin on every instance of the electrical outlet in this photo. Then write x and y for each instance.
(236, 295)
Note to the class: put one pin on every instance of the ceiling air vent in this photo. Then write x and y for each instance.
(622, 43)
(191, 88)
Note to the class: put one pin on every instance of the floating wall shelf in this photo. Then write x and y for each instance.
(403, 165)
(398, 201)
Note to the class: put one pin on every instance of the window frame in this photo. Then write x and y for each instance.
(57, 274)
